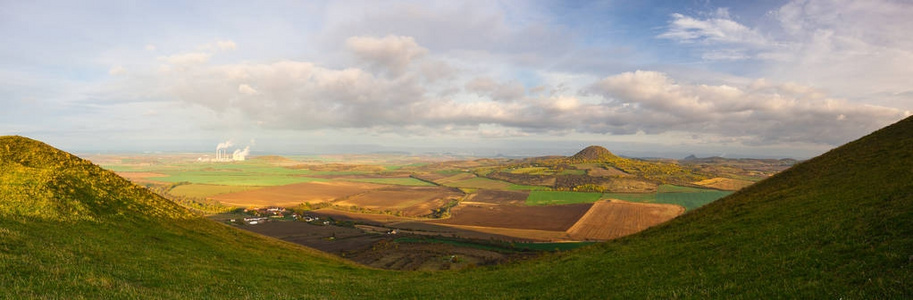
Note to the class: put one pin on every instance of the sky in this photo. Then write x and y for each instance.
(642, 78)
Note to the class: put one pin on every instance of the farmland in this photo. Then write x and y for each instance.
(295, 194)
(551, 199)
(559, 197)
(607, 220)
(558, 218)
(690, 198)
(407, 201)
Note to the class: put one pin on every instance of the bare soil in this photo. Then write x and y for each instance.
(410, 201)
(295, 194)
(501, 197)
(380, 250)
(550, 217)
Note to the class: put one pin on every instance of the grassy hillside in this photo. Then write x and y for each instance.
(837, 226)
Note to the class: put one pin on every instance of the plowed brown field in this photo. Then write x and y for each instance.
(547, 217)
(613, 219)
(294, 194)
(501, 197)
(411, 201)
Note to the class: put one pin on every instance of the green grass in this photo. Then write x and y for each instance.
(246, 173)
(688, 197)
(394, 181)
(836, 226)
(560, 197)
(235, 178)
(552, 246)
(520, 187)
(572, 172)
(502, 247)
(480, 183)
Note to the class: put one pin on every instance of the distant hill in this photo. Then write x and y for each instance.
(836, 226)
(593, 153)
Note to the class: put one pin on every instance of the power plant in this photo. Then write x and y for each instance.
(222, 154)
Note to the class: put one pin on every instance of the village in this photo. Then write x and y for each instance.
(267, 214)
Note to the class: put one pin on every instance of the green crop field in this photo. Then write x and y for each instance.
(688, 197)
(394, 181)
(560, 197)
(234, 178)
(480, 183)
(572, 172)
(521, 187)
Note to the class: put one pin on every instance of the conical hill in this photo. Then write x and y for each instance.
(593, 153)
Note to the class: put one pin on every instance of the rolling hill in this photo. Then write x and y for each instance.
(836, 226)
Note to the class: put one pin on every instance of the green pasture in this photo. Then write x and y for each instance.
(480, 183)
(688, 197)
(560, 197)
(521, 187)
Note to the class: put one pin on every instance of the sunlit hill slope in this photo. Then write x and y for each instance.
(837, 226)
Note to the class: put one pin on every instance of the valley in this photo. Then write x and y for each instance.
(414, 212)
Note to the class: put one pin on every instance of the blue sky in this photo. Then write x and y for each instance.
(643, 78)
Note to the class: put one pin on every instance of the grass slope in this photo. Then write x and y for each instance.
(837, 226)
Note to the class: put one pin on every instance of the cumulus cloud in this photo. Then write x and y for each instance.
(488, 87)
(761, 112)
(226, 45)
(246, 89)
(186, 59)
(831, 41)
(718, 28)
(117, 70)
(391, 53)
(302, 95)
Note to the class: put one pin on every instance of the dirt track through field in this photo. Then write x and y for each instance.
(613, 219)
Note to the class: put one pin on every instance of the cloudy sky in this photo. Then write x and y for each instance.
(643, 78)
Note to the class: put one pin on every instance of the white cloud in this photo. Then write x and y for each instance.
(186, 59)
(827, 43)
(758, 113)
(391, 53)
(719, 28)
(246, 89)
(488, 87)
(117, 70)
(226, 45)
(150, 47)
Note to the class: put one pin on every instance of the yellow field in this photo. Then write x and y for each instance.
(614, 218)
(726, 184)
